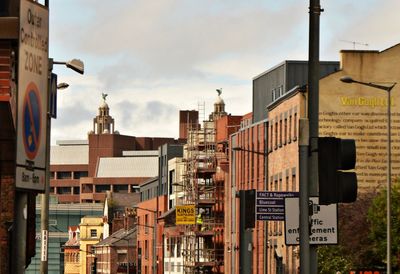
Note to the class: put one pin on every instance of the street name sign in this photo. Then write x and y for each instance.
(270, 205)
(324, 225)
(32, 96)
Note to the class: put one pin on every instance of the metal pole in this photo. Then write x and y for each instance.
(389, 187)
(155, 243)
(44, 209)
(303, 201)
(313, 109)
(19, 233)
(233, 208)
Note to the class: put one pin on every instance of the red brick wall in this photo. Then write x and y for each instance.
(143, 236)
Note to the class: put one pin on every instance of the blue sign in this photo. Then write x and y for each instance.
(270, 205)
(31, 121)
(53, 96)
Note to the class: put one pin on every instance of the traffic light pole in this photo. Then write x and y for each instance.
(313, 109)
(303, 200)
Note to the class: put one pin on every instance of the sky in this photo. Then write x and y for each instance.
(154, 58)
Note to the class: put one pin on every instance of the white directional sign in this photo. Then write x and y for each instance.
(324, 227)
(32, 95)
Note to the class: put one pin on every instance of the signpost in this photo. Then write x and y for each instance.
(324, 227)
(270, 206)
(32, 96)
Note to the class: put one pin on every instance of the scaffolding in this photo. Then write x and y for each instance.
(202, 243)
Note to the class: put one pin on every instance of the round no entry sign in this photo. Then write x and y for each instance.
(31, 121)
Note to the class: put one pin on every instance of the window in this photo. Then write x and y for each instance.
(93, 233)
(287, 182)
(146, 223)
(120, 188)
(79, 174)
(64, 190)
(295, 127)
(178, 248)
(52, 175)
(294, 182)
(146, 249)
(285, 132)
(77, 190)
(290, 129)
(280, 133)
(276, 135)
(61, 175)
(102, 188)
(271, 137)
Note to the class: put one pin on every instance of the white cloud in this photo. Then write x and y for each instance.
(154, 58)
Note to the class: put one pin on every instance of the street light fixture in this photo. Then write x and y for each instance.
(349, 80)
(78, 66)
(62, 86)
(154, 235)
(74, 64)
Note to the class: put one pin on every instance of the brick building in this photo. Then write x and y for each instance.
(263, 156)
(83, 171)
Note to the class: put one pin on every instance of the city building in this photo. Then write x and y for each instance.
(117, 252)
(259, 159)
(83, 171)
(71, 251)
(91, 232)
(63, 219)
(360, 112)
(149, 231)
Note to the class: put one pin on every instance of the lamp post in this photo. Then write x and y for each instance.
(154, 259)
(245, 236)
(77, 66)
(349, 80)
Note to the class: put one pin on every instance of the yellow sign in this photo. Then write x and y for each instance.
(186, 215)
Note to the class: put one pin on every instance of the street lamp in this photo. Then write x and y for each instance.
(154, 236)
(349, 80)
(78, 66)
(245, 234)
(74, 64)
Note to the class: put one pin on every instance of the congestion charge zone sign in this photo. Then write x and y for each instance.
(32, 96)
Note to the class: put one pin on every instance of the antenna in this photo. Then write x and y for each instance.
(355, 43)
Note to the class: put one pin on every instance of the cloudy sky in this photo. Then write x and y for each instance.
(154, 58)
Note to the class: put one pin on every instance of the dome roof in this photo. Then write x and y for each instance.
(103, 105)
(219, 100)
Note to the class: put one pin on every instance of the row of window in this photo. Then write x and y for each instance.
(72, 257)
(290, 181)
(68, 190)
(67, 175)
(283, 131)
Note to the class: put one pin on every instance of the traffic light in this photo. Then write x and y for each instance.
(335, 157)
(248, 208)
